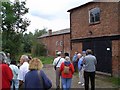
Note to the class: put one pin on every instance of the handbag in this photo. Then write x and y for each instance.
(56, 64)
(45, 84)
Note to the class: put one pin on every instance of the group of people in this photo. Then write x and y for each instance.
(64, 70)
(84, 63)
(29, 75)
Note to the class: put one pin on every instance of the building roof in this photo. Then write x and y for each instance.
(92, 2)
(63, 31)
(78, 6)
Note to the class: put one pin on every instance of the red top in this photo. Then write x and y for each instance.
(70, 74)
(6, 77)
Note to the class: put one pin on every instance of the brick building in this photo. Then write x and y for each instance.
(96, 25)
(56, 41)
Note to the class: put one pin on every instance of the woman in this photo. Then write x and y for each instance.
(36, 79)
(6, 74)
(67, 70)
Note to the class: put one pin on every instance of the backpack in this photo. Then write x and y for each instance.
(66, 69)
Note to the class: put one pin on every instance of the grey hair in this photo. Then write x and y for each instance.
(3, 57)
(25, 57)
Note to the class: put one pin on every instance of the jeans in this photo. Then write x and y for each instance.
(66, 83)
(15, 84)
(81, 75)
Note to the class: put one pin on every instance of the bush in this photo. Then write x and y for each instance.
(39, 49)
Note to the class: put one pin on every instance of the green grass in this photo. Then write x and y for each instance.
(114, 80)
(46, 60)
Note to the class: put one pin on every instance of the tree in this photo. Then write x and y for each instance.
(27, 41)
(13, 26)
(38, 47)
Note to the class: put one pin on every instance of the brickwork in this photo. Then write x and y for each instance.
(108, 15)
(80, 27)
(116, 57)
(57, 43)
(109, 25)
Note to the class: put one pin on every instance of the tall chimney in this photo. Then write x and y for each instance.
(50, 32)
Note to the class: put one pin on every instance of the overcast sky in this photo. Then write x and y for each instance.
(50, 14)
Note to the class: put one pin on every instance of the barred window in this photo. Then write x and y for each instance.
(94, 15)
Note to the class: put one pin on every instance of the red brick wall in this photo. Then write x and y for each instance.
(80, 20)
(76, 47)
(116, 57)
(50, 43)
(109, 25)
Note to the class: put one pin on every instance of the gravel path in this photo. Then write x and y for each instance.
(100, 82)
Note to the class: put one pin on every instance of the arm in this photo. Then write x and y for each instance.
(9, 73)
(46, 80)
(95, 62)
(61, 67)
(20, 77)
(79, 65)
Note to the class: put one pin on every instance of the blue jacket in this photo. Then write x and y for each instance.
(74, 58)
(32, 81)
(80, 63)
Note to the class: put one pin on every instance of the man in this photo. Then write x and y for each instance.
(89, 70)
(6, 74)
(24, 68)
(58, 61)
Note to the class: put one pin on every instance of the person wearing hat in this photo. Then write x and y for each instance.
(6, 74)
(57, 62)
(24, 68)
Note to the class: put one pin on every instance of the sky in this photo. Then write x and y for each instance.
(50, 14)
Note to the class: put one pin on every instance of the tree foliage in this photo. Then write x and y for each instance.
(31, 44)
(13, 26)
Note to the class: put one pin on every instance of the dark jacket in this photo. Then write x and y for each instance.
(32, 81)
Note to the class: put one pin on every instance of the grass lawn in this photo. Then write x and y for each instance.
(114, 80)
(46, 60)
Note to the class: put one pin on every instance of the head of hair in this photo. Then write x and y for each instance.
(25, 57)
(89, 51)
(79, 55)
(29, 57)
(3, 57)
(66, 54)
(13, 62)
(35, 64)
(67, 58)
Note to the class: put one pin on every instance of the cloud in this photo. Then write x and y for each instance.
(50, 14)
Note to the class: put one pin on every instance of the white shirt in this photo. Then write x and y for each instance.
(15, 70)
(24, 68)
(60, 62)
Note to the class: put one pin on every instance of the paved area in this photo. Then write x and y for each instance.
(100, 83)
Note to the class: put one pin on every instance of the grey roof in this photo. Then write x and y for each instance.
(63, 31)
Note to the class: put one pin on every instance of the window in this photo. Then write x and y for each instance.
(61, 43)
(94, 15)
(56, 43)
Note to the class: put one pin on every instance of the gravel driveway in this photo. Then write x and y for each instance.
(100, 83)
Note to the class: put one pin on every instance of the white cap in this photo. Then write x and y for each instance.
(58, 53)
(79, 54)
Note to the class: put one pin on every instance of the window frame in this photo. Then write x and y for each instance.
(94, 21)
